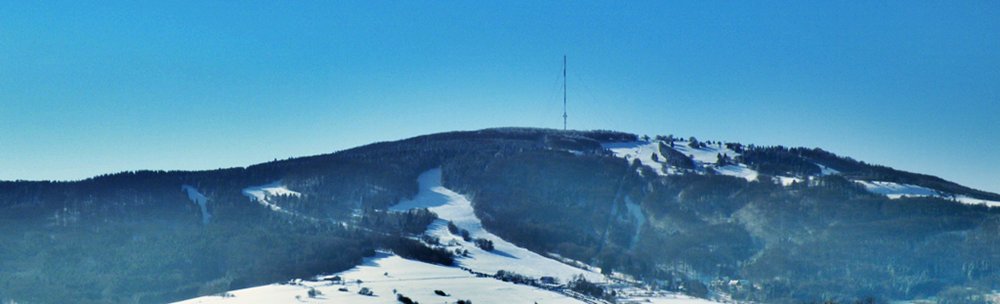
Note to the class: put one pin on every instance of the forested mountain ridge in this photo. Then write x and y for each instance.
(764, 224)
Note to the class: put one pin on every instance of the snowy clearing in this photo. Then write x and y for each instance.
(454, 207)
(641, 150)
(895, 190)
(787, 181)
(975, 201)
(739, 170)
(387, 272)
(671, 299)
(824, 170)
(261, 194)
(707, 155)
(638, 217)
(199, 199)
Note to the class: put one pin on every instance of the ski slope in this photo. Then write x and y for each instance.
(261, 194)
(824, 170)
(454, 207)
(199, 199)
(739, 170)
(638, 217)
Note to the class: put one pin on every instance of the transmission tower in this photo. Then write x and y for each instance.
(564, 93)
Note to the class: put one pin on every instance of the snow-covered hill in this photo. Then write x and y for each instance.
(456, 208)
(387, 274)
(726, 221)
(705, 158)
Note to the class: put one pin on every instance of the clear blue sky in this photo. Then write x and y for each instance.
(92, 88)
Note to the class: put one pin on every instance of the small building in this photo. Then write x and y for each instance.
(549, 280)
(335, 279)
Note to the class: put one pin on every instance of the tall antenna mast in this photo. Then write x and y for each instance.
(564, 93)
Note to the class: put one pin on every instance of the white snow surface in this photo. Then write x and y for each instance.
(640, 219)
(703, 157)
(387, 272)
(641, 150)
(261, 194)
(896, 190)
(199, 199)
(739, 170)
(707, 155)
(671, 299)
(975, 201)
(824, 170)
(454, 207)
(636, 295)
(787, 181)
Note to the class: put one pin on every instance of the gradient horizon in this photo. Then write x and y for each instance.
(103, 87)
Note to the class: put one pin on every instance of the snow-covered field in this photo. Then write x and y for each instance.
(665, 299)
(641, 150)
(454, 207)
(199, 199)
(894, 190)
(703, 157)
(262, 194)
(824, 170)
(739, 170)
(387, 272)
(975, 201)
(787, 181)
(897, 190)
(707, 155)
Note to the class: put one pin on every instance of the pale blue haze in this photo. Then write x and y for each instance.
(88, 88)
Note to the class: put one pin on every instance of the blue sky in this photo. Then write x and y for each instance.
(92, 88)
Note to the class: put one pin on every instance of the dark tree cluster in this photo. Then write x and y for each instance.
(676, 158)
(413, 249)
(405, 300)
(484, 244)
(777, 160)
(459, 232)
(581, 285)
